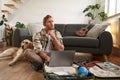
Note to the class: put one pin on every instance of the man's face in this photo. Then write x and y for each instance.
(49, 24)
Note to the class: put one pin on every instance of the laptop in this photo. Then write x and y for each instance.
(61, 58)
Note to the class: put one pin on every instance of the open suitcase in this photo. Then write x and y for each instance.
(53, 76)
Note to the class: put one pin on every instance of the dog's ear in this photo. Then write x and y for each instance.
(31, 45)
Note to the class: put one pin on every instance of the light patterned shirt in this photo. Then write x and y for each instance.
(40, 40)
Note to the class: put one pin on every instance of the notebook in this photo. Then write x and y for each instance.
(61, 58)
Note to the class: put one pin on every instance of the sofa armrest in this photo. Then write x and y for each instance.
(19, 35)
(105, 42)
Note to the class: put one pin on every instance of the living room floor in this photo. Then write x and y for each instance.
(23, 71)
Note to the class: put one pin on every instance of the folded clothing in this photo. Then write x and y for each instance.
(61, 70)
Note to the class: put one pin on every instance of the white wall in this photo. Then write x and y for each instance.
(63, 11)
(0, 8)
(1, 27)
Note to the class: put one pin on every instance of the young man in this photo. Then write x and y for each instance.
(44, 41)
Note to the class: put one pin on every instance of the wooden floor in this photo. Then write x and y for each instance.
(23, 71)
(20, 71)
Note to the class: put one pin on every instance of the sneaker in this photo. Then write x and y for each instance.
(36, 66)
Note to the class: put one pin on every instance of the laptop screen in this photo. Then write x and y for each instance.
(61, 58)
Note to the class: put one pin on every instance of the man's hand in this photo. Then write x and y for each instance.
(52, 34)
(56, 42)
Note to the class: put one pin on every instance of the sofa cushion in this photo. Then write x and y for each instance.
(34, 27)
(96, 30)
(23, 31)
(74, 41)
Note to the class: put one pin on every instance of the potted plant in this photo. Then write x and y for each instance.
(19, 25)
(92, 11)
(8, 34)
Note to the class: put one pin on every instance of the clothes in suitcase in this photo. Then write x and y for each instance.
(64, 73)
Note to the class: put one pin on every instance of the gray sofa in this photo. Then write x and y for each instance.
(101, 45)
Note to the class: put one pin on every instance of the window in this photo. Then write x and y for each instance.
(112, 7)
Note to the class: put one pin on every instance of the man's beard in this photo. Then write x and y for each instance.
(51, 28)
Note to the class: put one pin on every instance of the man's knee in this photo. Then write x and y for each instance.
(28, 52)
(30, 55)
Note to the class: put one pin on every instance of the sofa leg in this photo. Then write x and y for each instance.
(105, 57)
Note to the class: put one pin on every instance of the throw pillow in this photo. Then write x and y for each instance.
(81, 32)
(34, 27)
(96, 30)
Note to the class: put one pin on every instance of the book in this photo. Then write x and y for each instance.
(106, 70)
(109, 66)
(101, 73)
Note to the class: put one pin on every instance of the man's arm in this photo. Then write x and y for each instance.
(57, 41)
(36, 42)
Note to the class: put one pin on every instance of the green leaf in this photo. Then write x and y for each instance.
(103, 15)
(20, 25)
(92, 7)
(89, 14)
(97, 6)
(86, 9)
(1, 22)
